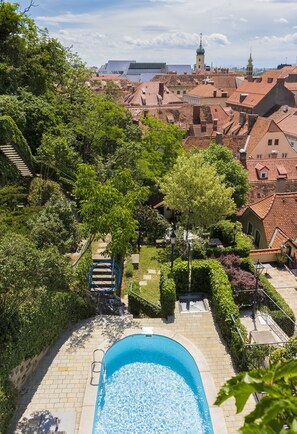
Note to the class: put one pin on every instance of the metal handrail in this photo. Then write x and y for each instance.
(156, 306)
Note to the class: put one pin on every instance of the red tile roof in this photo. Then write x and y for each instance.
(278, 210)
(255, 91)
(277, 168)
(148, 94)
(260, 128)
(289, 123)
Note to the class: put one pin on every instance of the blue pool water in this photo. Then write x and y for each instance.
(152, 386)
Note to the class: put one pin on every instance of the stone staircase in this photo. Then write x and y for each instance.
(102, 275)
(15, 159)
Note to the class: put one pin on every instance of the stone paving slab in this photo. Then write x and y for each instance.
(147, 277)
(151, 271)
(143, 283)
(60, 381)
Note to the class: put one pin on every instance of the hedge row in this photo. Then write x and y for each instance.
(209, 276)
(41, 319)
(277, 315)
(138, 305)
(167, 291)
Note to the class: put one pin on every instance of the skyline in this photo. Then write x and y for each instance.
(168, 30)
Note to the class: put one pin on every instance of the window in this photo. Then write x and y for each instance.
(270, 142)
(284, 155)
(259, 156)
(184, 91)
(258, 195)
(257, 238)
(276, 142)
(250, 228)
(178, 92)
(263, 175)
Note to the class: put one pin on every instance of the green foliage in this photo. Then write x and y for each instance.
(109, 207)
(9, 174)
(41, 190)
(17, 221)
(10, 134)
(81, 277)
(278, 406)
(285, 353)
(139, 305)
(11, 196)
(209, 277)
(194, 189)
(161, 145)
(151, 224)
(55, 226)
(224, 230)
(235, 175)
(277, 315)
(167, 292)
(129, 269)
(42, 317)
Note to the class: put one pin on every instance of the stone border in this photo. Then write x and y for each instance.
(216, 413)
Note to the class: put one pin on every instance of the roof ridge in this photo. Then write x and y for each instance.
(269, 208)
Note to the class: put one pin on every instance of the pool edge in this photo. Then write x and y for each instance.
(216, 413)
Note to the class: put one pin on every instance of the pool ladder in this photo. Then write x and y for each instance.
(94, 368)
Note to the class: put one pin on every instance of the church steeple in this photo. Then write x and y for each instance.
(249, 68)
(200, 55)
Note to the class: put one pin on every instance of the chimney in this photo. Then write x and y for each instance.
(196, 114)
(280, 186)
(242, 118)
(203, 126)
(251, 120)
(242, 155)
(219, 138)
(161, 90)
(214, 93)
(215, 124)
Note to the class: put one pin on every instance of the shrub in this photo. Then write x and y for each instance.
(129, 269)
(81, 272)
(224, 230)
(167, 292)
(139, 305)
(287, 325)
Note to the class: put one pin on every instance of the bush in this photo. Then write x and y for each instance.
(42, 317)
(129, 269)
(139, 305)
(81, 272)
(209, 276)
(287, 325)
(224, 230)
(167, 292)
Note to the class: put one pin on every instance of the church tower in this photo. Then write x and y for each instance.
(249, 68)
(200, 55)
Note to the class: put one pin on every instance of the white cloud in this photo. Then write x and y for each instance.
(167, 1)
(68, 18)
(281, 20)
(178, 39)
(291, 38)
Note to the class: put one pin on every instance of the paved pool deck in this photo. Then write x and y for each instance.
(58, 387)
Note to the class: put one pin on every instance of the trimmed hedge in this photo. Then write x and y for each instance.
(138, 305)
(277, 315)
(42, 318)
(209, 276)
(167, 292)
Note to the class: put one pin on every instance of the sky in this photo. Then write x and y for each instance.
(168, 30)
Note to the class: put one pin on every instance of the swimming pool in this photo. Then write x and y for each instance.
(150, 384)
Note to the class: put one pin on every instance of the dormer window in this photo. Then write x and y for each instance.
(263, 175)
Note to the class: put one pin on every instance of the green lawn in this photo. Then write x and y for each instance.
(148, 260)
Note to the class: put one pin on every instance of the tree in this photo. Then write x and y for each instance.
(195, 190)
(162, 143)
(276, 412)
(235, 175)
(107, 208)
(55, 226)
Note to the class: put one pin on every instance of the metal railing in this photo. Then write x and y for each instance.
(155, 306)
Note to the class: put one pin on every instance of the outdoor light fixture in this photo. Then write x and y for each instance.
(259, 270)
(172, 241)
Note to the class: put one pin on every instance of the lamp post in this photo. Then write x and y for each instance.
(189, 272)
(172, 241)
(259, 270)
(234, 232)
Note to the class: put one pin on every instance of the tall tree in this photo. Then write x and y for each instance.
(235, 175)
(195, 190)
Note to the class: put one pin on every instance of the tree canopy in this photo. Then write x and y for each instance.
(225, 164)
(195, 190)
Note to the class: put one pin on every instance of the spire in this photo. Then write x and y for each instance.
(200, 50)
(249, 68)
